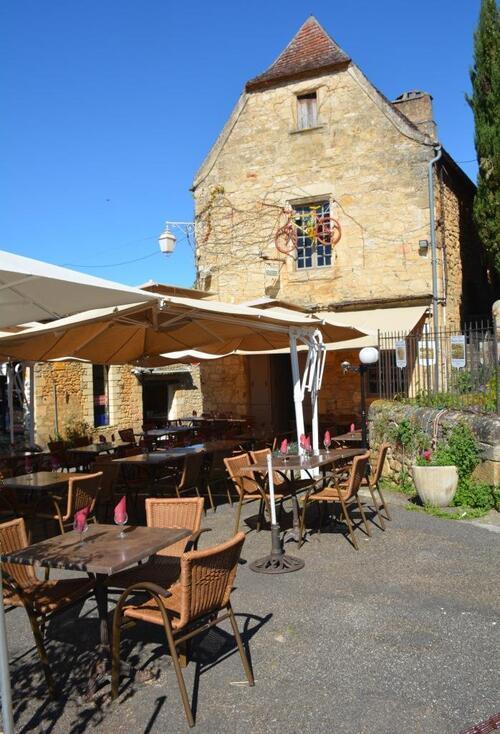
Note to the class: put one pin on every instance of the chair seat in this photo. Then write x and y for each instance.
(149, 612)
(48, 596)
(161, 570)
(329, 493)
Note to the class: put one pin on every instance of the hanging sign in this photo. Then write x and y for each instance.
(401, 360)
(458, 351)
(426, 353)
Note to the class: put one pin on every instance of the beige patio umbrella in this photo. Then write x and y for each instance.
(128, 334)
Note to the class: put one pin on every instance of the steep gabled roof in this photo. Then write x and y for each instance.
(311, 52)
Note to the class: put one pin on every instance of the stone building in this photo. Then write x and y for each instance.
(316, 192)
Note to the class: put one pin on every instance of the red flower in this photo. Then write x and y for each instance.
(427, 455)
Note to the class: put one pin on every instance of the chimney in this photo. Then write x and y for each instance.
(417, 107)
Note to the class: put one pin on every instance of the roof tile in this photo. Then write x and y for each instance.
(310, 51)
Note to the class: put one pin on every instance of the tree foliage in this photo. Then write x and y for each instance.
(485, 103)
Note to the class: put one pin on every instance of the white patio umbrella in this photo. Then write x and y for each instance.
(32, 290)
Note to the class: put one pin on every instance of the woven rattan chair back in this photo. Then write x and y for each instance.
(216, 466)
(382, 453)
(358, 472)
(191, 471)
(81, 441)
(127, 435)
(174, 513)
(244, 484)
(13, 537)
(259, 457)
(82, 492)
(207, 578)
(110, 472)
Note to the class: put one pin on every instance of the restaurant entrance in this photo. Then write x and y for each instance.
(271, 392)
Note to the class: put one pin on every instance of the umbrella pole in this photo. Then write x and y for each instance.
(10, 400)
(7, 717)
(32, 404)
(297, 389)
(277, 561)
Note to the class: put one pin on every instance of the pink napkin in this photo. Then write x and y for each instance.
(327, 438)
(353, 427)
(81, 519)
(303, 440)
(28, 465)
(54, 461)
(308, 444)
(121, 510)
(284, 446)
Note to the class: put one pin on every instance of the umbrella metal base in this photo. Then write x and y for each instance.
(277, 561)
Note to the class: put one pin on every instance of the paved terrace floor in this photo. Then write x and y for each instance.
(401, 637)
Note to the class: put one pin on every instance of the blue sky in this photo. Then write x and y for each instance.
(110, 106)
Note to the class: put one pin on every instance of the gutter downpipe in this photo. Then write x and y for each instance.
(435, 299)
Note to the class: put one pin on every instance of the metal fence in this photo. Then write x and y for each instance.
(447, 369)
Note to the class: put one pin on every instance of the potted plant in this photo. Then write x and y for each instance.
(437, 473)
(436, 478)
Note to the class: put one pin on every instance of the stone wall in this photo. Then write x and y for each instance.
(486, 428)
(75, 400)
(224, 385)
(188, 399)
(462, 266)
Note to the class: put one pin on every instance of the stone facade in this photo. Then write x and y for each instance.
(369, 160)
(69, 386)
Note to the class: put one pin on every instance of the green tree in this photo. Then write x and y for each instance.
(485, 103)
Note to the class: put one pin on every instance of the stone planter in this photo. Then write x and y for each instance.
(436, 485)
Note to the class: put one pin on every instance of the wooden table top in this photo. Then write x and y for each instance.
(208, 419)
(95, 448)
(168, 430)
(161, 456)
(102, 552)
(354, 437)
(38, 480)
(313, 462)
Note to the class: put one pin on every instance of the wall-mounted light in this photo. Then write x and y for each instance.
(167, 241)
(423, 247)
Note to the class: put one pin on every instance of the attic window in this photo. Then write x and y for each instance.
(307, 111)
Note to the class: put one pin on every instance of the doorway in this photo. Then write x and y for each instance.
(271, 392)
(157, 398)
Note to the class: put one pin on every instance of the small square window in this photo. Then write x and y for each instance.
(307, 111)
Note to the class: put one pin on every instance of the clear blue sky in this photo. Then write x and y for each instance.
(110, 106)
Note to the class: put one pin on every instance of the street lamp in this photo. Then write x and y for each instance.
(167, 241)
(367, 356)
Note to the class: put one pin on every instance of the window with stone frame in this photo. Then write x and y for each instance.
(307, 111)
(100, 387)
(314, 249)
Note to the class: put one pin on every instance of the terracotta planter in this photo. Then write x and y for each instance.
(436, 485)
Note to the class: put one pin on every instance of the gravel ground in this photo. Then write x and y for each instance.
(400, 637)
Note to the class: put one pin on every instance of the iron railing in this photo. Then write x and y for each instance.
(448, 369)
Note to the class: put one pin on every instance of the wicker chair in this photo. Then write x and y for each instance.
(198, 601)
(83, 490)
(110, 472)
(187, 480)
(343, 495)
(373, 482)
(248, 487)
(164, 567)
(215, 475)
(41, 599)
(127, 435)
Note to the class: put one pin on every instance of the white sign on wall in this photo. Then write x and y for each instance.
(426, 353)
(458, 351)
(401, 360)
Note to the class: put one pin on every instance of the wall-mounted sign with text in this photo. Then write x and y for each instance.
(426, 353)
(458, 351)
(401, 360)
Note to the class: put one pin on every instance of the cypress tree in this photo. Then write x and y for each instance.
(485, 103)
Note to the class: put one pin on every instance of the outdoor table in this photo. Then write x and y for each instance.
(102, 553)
(166, 431)
(354, 437)
(302, 463)
(93, 449)
(14, 460)
(210, 419)
(40, 480)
